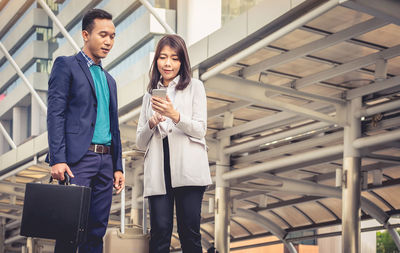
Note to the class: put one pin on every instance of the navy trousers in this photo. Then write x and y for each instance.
(188, 213)
(96, 171)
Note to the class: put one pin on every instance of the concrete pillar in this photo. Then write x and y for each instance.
(38, 117)
(222, 194)
(4, 146)
(137, 192)
(197, 19)
(351, 190)
(20, 124)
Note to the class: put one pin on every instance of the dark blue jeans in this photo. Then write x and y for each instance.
(188, 213)
(95, 171)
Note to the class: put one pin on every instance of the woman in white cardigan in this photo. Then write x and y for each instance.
(172, 132)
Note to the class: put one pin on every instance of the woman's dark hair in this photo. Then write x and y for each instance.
(176, 43)
(90, 16)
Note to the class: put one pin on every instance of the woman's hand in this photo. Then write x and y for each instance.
(155, 119)
(165, 108)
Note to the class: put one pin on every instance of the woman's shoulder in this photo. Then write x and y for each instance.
(196, 83)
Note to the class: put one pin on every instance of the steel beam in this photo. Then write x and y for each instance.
(24, 79)
(283, 162)
(347, 67)
(275, 137)
(387, 10)
(373, 88)
(369, 111)
(374, 140)
(227, 108)
(395, 236)
(268, 225)
(280, 89)
(270, 38)
(279, 119)
(59, 25)
(153, 11)
(7, 136)
(293, 147)
(314, 46)
(129, 116)
(232, 86)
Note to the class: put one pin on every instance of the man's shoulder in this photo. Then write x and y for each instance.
(109, 75)
(65, 60)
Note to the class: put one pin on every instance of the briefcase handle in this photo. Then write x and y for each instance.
(66, 181)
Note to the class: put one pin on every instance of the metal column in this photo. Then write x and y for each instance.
(137, 192)
(222, 194)
(123, 201)
(351, 191)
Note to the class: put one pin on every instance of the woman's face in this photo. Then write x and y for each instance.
(168, 64)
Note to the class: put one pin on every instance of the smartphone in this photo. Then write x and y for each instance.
(162, 93)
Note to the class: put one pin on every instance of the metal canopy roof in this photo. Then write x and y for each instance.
(287, 102)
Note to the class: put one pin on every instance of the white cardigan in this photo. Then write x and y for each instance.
(188, 150)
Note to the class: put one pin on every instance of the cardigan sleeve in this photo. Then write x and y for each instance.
(195, 125)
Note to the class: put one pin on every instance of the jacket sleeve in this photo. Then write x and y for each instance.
(58, 92)
(195, 125)
(118, 163)
(144, 133)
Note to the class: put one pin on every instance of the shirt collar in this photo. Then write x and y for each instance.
(89, 61)
(174, 82)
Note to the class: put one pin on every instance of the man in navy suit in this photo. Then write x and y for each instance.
(82, 123)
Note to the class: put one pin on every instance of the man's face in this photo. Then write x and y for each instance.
(100, 40)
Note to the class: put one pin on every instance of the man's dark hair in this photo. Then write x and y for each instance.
(91, 15)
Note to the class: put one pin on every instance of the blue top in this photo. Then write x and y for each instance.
(102, 133)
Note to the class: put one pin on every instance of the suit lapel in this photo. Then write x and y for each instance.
(112, 89)
(85, 69)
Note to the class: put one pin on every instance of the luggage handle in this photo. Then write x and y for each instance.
(66, 181)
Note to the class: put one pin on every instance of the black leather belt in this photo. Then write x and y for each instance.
(100, 149)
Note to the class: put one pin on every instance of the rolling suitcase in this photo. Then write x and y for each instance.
(56, 212)
(132, 239)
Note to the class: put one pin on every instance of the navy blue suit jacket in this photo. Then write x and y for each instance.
(72, 112)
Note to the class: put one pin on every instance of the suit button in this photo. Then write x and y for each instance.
(170, 130)
(92, 124)
(94, 105)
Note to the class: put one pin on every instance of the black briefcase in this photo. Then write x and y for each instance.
(56, 212)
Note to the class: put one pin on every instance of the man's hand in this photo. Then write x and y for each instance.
(119, 181)
(58, 170)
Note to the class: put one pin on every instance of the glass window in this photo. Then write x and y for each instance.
(295, 234)
(44, 34)
(233, 8)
